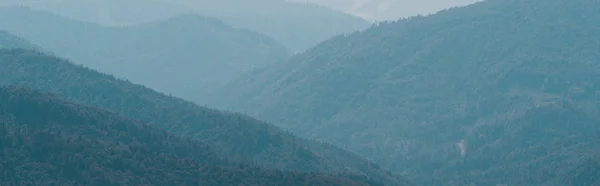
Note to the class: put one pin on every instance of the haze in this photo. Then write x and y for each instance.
(378, 10)
(310, 92)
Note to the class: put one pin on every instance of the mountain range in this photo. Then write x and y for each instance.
(66, 143)
(186, 56)
(233, 136)
(499, 92)
(491, 93)
(283, 21)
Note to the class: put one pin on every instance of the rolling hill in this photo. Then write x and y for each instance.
(452, 94)
(298, 26)
(234, 136)
(186, 56)
(70, 144)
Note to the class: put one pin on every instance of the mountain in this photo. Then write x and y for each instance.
(421, 94)
(69, 144)
(298, 26)
(187, 55)
(234, 136)
(109, 12)
(587, 172)
(379, 10)
(8, 40)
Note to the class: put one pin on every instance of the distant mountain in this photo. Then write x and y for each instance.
(380, 10)
(48, 141)
(451, 95)
(234, 136)
(8, 40)
(187, 55)
(107, 12)
(296, 25)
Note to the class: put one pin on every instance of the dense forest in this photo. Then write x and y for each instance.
(234, 136)
(187, 55)
(298, 26)
(48, 141)
(498, 92)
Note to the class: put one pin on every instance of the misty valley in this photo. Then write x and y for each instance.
(319, 92)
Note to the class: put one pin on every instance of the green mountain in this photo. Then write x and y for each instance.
(234, 136)
(452, 94)
(48, 141)
(186, 55)
(296, 25)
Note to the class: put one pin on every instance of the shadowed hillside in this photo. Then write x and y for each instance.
(234, 136)
(48, 141)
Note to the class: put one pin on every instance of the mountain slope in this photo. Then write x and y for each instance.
(587, 172)
(296, 25)
(66, 143)
(8, 40)
(234, 136)
(186, 55)
(405, 93)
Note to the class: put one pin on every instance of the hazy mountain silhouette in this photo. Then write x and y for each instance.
(297, 25)
(8, 40)
(465, 95)
(379, 10)
(109, 12)
(234, 136)
(186, 55)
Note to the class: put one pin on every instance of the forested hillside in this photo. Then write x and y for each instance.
(48, 141)
(587, 172)
(498, 92)
(297, 25)
(234, 136)
(187, 55)
(8, 40)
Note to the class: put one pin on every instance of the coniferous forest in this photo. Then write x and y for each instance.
(285, 93)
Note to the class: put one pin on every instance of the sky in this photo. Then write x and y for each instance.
(378, 10)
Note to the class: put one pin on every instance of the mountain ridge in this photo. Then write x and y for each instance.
(66, 143)
(410, 93)
(235, 136)
(187, 55)
(281, 20)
